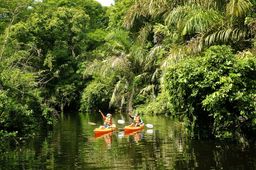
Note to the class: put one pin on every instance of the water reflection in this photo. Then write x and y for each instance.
(107, 138)
(72, 145)
(135, 136)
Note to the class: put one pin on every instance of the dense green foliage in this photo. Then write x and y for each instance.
(42, 48)
(190, 59)
(217, 90)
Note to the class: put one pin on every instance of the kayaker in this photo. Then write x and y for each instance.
(107, 119)
(137, 121)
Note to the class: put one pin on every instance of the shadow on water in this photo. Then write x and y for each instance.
(73, 145)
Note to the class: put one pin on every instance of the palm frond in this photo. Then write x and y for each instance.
(201, 21)
(120, 40)
(238, 8)
(195, 45)
(90, 67)
(157, 7)
(156, 75)
(119, 62)
(131, 15)
(251, 22)
(148, 90)
(209, 4)
(176, 16)
(225, 35)
(176, 53)
(192, 19)
(140, 78)
(119, 92)
(155, 54)
(143, 33)
(145, 8)
(161, 29)
(123, 101)
(137, 57)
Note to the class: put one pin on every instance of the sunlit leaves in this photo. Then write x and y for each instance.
(192, 19)
(217, 84)
(117, 13)
(18, 79)
(41, 48)
(93, 95)
(11, 11)
(144, 8)
(119, 41)
(225, 35)
(238, 8)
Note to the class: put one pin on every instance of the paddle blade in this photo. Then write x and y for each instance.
(121, 122)
(149, 126)
(92, 123)
(120, 134)
(150, 131)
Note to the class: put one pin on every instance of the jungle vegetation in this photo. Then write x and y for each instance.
(191, 59)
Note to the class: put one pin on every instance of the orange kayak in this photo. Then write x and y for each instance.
(129, 129)
(99, 135)
(103, 130)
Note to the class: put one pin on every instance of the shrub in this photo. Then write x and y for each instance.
(216, 90)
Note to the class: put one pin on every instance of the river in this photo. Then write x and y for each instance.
(72, 145)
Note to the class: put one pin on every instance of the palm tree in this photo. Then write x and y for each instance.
(179, 27)
(232, 28)
(197, 23)
(114, 69)
(130, 66)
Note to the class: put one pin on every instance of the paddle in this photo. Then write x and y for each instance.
(150, 126)
(92, 123)
(149, 131)
(120, 122)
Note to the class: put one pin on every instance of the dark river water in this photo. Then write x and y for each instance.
(72, 145)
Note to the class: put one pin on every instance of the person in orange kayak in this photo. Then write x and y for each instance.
(107, 119)
(137, 121)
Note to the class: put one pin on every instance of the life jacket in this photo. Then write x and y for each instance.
(108, 121)
(137, 119)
